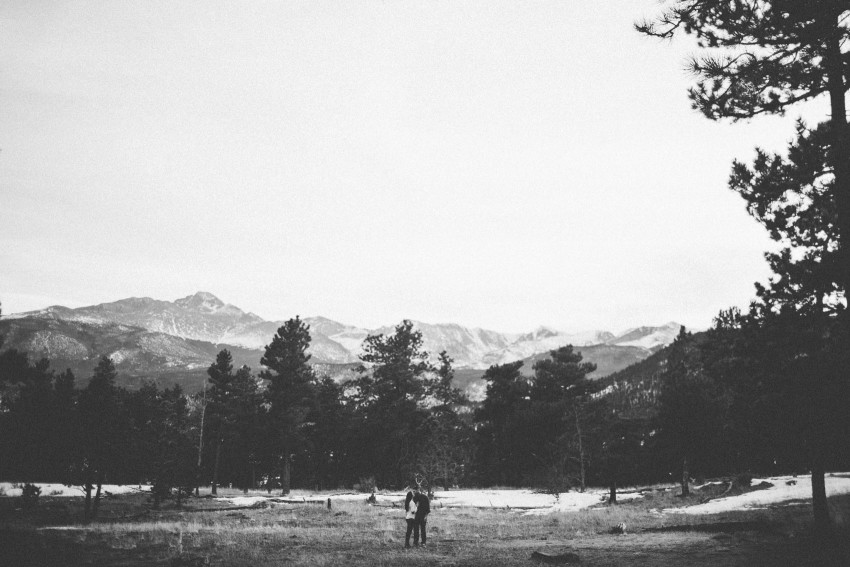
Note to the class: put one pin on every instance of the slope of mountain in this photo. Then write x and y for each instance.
(184, 335)
(647, 337)
(137, 353)
(541, 342)
(201, 316)
(468, 347)
(608, 359)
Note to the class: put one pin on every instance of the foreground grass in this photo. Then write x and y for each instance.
(355, 533)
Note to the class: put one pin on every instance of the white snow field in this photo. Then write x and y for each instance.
(507, 499)
(48, 489)
(784, 489)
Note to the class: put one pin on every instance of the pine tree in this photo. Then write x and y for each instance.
(290, 392)
(796, 198)
(557, 395)
(65, 424)
(219, 408)
(446, 450)
(390, 396)
(690, 416)
(503, 426)
(102, 432)
(764, 57)
(245, 411)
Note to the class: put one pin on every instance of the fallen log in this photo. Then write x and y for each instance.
(296, 501)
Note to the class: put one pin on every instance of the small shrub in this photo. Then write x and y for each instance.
(553, 482)
(29, 495)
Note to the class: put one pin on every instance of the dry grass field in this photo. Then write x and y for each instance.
(211, 532)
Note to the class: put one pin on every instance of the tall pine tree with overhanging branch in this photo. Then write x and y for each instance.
(765, 57)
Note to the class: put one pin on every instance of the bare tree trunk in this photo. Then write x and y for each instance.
(580, 447)
(840, 160)
(96, 504)
(201, 442)
(819, 504)
(285, 471)
(840, 155)
(215, 467)
(87, 512)
(686, 476)
(612, 493)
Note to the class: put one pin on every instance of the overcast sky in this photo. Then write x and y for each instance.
(495, 164)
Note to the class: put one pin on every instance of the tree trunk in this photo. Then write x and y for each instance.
(285, 472)
(686, 476)
(840, 161)
(215, 467)
(87, 512)
(612, 492)
(840, 150)
(580, 448)
(201, 443)
(819, 505)
(96, 504)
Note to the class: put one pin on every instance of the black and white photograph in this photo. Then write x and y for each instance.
(424, 282)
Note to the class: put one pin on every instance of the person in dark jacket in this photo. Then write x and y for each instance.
(423, 508)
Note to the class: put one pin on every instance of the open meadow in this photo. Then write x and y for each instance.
(465, 528)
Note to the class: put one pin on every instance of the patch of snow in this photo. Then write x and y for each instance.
(508, 499)
(53, 489)
(477, 391)
(604, 392)
(246, 501)
(800, 488)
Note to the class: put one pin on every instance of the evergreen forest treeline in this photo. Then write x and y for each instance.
(728, 401)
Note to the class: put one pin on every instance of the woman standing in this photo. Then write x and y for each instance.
(410, 516)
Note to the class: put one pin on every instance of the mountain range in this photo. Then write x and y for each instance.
(176, 340)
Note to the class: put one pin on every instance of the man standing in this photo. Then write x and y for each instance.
(423, 507)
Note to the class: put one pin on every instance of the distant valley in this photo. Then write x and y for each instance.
(175, 341)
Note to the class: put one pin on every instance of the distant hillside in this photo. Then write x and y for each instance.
(177, 340)
(609, 359)
(137, 353)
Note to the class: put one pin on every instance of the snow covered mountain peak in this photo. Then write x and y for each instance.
(648, 337)
(202, 301)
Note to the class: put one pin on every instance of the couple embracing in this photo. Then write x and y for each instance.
(416, 507)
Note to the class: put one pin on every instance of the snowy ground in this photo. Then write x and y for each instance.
(14, 489)
(784, 489)
(530, 501)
